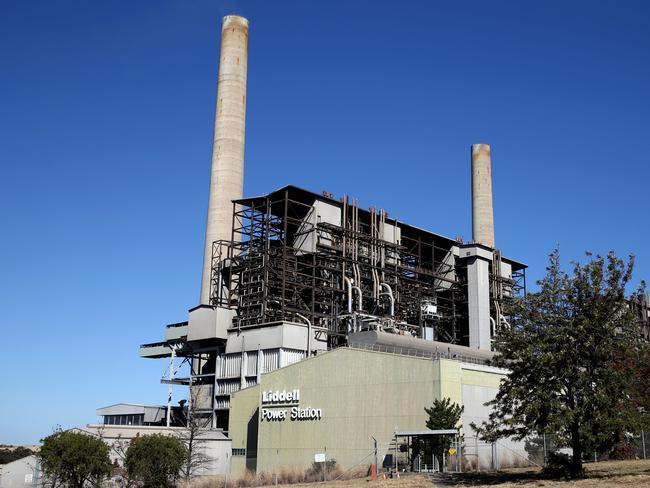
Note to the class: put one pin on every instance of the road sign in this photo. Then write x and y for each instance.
(452, 451)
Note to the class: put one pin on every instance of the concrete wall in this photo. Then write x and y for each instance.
(215, 444)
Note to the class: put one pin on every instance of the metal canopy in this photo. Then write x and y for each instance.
(426, 433)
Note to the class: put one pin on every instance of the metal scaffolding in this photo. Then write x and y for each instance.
(357, 271)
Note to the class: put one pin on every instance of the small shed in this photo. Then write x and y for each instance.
(429, 433)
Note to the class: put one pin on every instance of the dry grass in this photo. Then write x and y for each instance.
(296, 477)
(607, 474)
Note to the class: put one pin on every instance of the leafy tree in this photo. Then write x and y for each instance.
(636, 366)
(155, 460)
(75, 459)
(8, 455)
(443, 414)
(561, 350)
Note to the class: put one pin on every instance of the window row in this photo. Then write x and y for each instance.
(135, 419)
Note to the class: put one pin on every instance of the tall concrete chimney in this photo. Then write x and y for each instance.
(482, 212)
(227, 177)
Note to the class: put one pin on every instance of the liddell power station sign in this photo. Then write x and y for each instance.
(275, 407)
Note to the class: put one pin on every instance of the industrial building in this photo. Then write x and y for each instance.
(21, 473)
(321, 324)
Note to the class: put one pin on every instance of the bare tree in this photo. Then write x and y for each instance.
(195, 437)
(119, 447)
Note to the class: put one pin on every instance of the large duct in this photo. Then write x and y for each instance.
(482, 212)
(227, 177)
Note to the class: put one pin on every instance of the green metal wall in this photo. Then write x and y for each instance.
(361, 394)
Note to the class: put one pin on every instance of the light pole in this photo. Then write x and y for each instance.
(376, 474)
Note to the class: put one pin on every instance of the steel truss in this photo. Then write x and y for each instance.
(267, 273)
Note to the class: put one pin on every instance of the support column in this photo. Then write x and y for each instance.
(478, 293)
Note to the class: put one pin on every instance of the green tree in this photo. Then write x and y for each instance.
(443, 414)
(75, 459)
(155, 460)
(8, 455)
(560, 351)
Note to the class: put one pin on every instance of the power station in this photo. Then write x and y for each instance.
(322, 325)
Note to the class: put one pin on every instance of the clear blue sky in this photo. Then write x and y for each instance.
(106, 117)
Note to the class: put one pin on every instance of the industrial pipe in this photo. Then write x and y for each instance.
(389, 293)
(308, 333)
(349, 283)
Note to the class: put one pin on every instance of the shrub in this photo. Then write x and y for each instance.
(74, 458)
(558, 464)
(317, 471)
(155, 460)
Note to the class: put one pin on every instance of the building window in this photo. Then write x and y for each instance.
(125, 419)
(238, 452)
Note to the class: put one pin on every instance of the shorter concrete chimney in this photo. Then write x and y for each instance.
(482, 211)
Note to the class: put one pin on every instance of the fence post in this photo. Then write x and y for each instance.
(643, 442)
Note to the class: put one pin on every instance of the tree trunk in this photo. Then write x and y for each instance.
(576, 445)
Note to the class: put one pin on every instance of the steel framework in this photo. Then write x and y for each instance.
(283, 260)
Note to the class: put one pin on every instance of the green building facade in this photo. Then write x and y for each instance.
(336, 402)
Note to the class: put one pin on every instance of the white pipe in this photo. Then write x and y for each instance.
(349, 283)
(308, 333)
(389, 293)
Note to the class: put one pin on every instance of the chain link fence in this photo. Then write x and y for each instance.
(474, 454)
